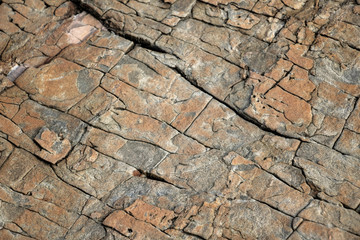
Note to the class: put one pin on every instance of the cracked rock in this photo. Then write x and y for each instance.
(179, 119)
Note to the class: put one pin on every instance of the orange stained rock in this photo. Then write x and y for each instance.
(54, 147)
(296, 55)
(132, 227)
(296, 110)
(295, 4)
(61, 87)
(279, 71)
(179, 119)
(298, 83)
(158, 217)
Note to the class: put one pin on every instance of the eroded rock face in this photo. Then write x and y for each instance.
(179, 119)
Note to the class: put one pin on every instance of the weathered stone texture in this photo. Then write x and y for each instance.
(179, 119)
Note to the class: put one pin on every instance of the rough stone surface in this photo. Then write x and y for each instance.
(179, 119)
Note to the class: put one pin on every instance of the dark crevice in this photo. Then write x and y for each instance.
(128, 139)
(108, 227)
(338, 138)
(152, 47)
(358, 209)
(348, 207)
(5, 47)
(69, 229)
(236, 29)
(208, 52)
(291, 234)
(67, 183)
(149, 116)
(193, 235)
(140, 42)
(28, 208)
(306, 206)
(272, 207)
(194, 120)
(155, 177)
(239, 113)
(342, 42)
(107, 155)
(24, 233)
(137, 40)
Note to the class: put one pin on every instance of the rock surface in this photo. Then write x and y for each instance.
(179, 119)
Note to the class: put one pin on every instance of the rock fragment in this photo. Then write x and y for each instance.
(54, 147)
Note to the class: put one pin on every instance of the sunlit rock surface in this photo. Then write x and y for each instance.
(179, 119)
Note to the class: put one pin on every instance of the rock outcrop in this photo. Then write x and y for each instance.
(179, 119)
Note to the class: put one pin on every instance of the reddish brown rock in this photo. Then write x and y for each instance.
(332, 106)
(179, 119)
(39, 227)
(201, 224)
(349, 143)
(32, 117)
(295, 110)
(275, 155)
(23, 176)
(327, 128)
(94, 104)
(205, 68)
(243, 19)
(179, 110)
(231, 45)
(330, 173)
(296, 55)
(269, 189)
(246, 218)
(133, 228)
(325, 213)
(217, 2)
(5, 83)
(319, 231)
(138, 75)
(102, 51)
(280, 70)
(214, 124)
(16, 136)
(50, 211)
(306, 35)
(13, 235)
(281, 111)
(65, 9)
(343, 31)
(352, 122)
(54, 147)
(85, 168)
(298, 83)
(77, 30)
(96, 209)
(5, 148)
(268, 8)
(86, 227)
(95, 138)
(6, 25)
(54, 86)
(160, 218)
(10, 99)
(296, 4)
(138, 127)
(54, 190)
(333, 101)
(186, 171)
